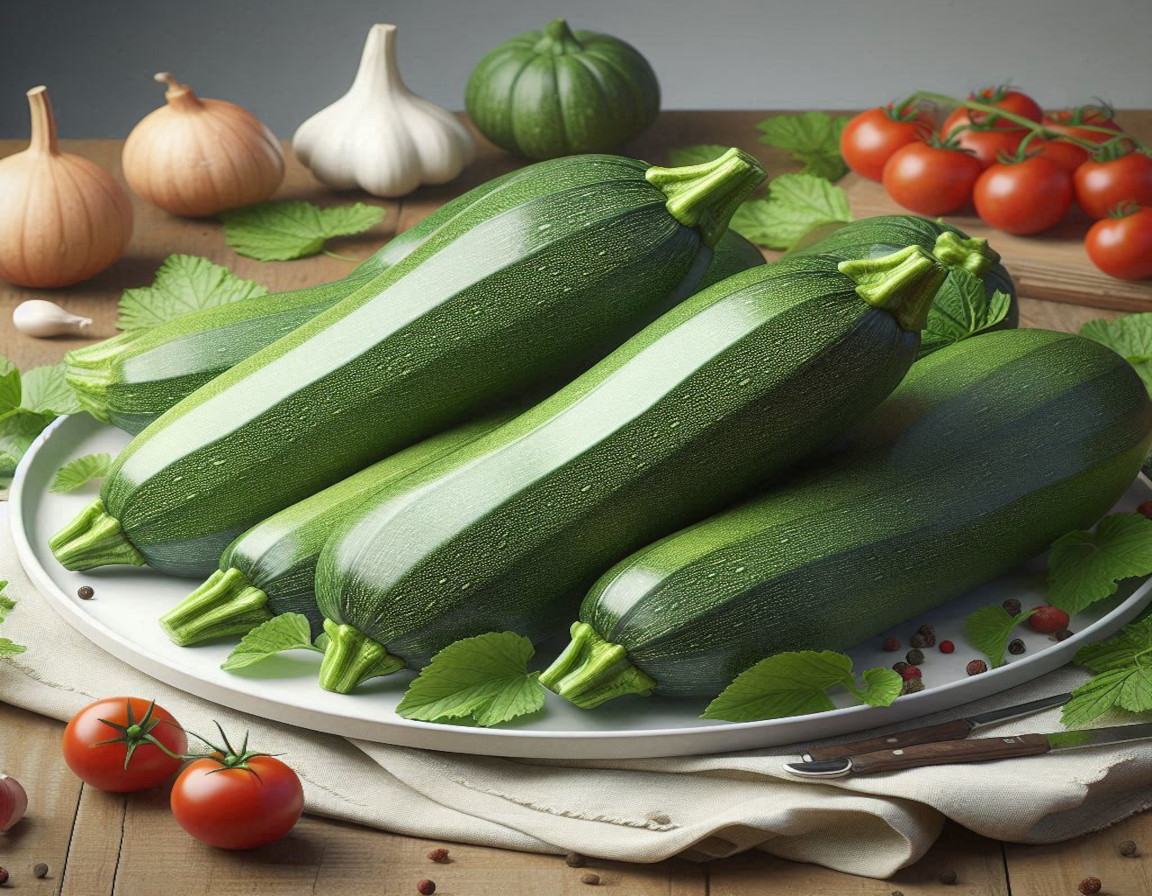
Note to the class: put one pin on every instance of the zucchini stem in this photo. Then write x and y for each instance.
(972, 254)
(89, 371)
(706, 196)
(592, 671)
(351, 658)
(903, 283)
(94, 538)
(226, 604)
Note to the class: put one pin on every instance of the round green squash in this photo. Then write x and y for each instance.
(558, 92)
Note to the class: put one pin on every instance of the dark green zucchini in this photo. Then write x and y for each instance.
(988, 451)
(548, 272)
(726, 390)
(271, 568)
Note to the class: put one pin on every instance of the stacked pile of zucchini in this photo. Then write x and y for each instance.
(548, 401)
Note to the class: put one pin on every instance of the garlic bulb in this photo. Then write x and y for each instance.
(380, 136)
(63, 219)
(196, 157)
(41, 318)
(13, 802)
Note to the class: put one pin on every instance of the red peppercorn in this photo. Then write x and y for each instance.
(890, 645)
(439, 856)
(947, 647)
(1145, 508)
(426, 887)
(911, 672)
(976, 667)
(1090, 886)
(3, 876)
(1048, 620)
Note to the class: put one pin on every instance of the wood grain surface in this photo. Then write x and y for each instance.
(98, 844)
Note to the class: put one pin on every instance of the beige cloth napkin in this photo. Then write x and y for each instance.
(633, 810)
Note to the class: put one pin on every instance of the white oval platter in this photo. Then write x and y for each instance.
(121, 620)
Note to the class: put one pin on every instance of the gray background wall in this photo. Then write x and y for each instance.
(288, 58)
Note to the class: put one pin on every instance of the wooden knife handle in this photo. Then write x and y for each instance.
(957, 729)
(950, 751)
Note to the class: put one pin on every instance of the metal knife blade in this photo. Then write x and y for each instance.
(1005, 713)
(1098, 737)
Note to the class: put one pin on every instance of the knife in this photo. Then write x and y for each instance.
(973, 750)
(952, 730)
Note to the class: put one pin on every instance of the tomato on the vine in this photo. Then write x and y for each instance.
(1078, 124)
(1121, 246)
(1015, 102)
(237, 799)
(1060, 153)
(987, 144)
(118, 744)
(931, 179)
(1023, 196)
(870, 138)
(1103, 185)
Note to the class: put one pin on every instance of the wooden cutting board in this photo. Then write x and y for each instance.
(1052, 265)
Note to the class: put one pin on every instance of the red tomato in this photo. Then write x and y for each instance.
(1071, 121)
(1122, 247)
(255, 801)
(1013, 101)
(1063, 155)
(931, 180)
(1023, 197)
(111, 744)
(869, 139)
(986, 145)
(1102, 186)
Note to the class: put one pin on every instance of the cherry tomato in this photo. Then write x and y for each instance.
(111, 744)
(987, 145)
(1122, 247)
(1023, 197)
(1047, 620)
(1003, 97)
(1072, 121)
(1063, 155)
(1102, 186)
(869, 139)
(931, 180)
(254, 801)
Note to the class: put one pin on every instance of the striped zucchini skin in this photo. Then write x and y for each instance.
(988, 451)
(133, 378)
(271, 568)
(544, 273)
(726, 390)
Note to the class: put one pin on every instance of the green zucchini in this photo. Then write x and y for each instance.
(270, 569)
(727, 389)
(988, 451)
(545, 272)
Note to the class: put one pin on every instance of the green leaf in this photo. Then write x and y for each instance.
(6, 603)
(18, 430)
(485, 677)
(79, 472)
(989, 630)
(1085, 566)
(962, 308)
(695, 155)
(1129, 336)
(1118, 651)
(812, 137)
(10, 387)
(1123, 665)
(786, 684)
(881, 687)
(7, 648)
(288, 631)
(45, 391)
(183, 284)
(281, 231)
(1094, 698)
(796, 204)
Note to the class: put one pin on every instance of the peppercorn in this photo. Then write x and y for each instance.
(426, 887)
(890, 645)
(1063, 635)
(40, 870)
(918, 640)
(1012, 606)
(439, 856)
(575, 860)
(3, 876)
(899, 667)
(1017, 647)
(976, 667)
(947, 647)
(1090, 886)
(1129, 849)
(590, 879)
(929, 634)
(947, 877)
(85, 592)
(913, 686)
(910, 673)
(897, 893)
(915, 657)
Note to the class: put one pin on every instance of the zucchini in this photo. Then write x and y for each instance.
(133, 378)
(727, 389)
(988, 451)
(548, 271)
(270, 568)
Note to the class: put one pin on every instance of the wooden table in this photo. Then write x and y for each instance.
(97, 844)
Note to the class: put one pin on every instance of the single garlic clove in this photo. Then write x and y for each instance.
(43, 319)
(13, 802)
